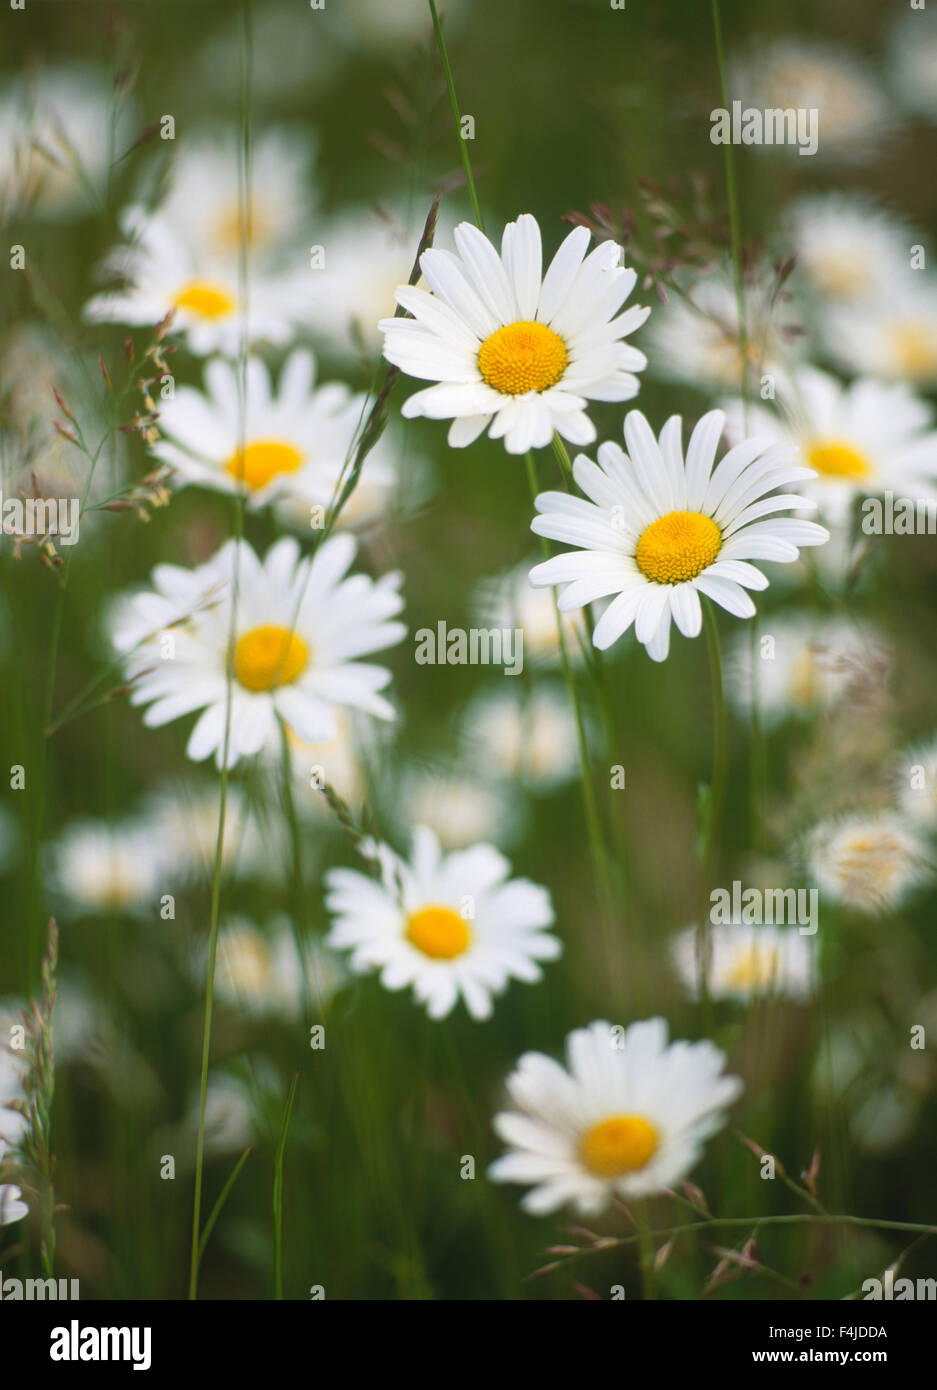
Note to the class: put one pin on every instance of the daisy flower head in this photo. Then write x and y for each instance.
(626, 1117)
(658, 532)
(869, 863)
(458, 804)
(162, 273)
(12, 1206)
(100, 867)
(511, 348)
(259, 971)
(14, 1069)
(301, 625)
(448, 925)
(528, 737)
(917, 785)
(747, 962)
(893, 336)
(291, 441)
(509, 601)
(860, 440)
(846, 246)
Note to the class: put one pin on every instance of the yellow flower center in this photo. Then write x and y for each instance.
(205, 300)
(438, 932)
(835, 458)
(914, 348)
(246, 962)
(678, 547)
(522, 357)
(257, 463)
(269, 656)
(868, 865)
(618, 1145)
(755, 969)
(230, 231)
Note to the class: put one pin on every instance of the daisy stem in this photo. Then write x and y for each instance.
(713, 819)
(562, 458)
(278, 1192)
(734, 219)
(590, 804)
(298, 914)
(457, 116)
(646, 1247)
(215, 908)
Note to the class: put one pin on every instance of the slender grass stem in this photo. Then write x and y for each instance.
(734, 218)
(278, 1192)
(713, 810)
(457, 116)
(646, 1247)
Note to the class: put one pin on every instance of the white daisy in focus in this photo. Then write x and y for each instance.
(12, 1206)
(861, 440)
(289, 442)
(509, 600)
(694, 338)
(803, 665)
(626, 1117)
(846, 246)
(747, 962)
(526, 737)
(301, 627)
(912, 53)
(658, 532)
(869, 863)
(853, 112)
(163, 274)
(449, 925)
(917, 785)
(102, 867)
(204, 203)
(258, 971)
(512, 348)
(59, 132)
(893, 337)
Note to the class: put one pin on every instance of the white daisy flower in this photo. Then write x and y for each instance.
(301, 625)
(59, 132)
(530, 738)
(514, 349)
(747, 962)
(509, 601)
(204, 202)
(460, 807)
(860, 440)
(803, 665)
(449, 925)
(853, 112)
(259, 973)
(296, 439)
(12, 1206)
(912, 53)
(164, 274)
(869, 863)
(659, 532)
(893, 336)
(694, 338)
(14, 1067)
(336, 763)
(846, 246)
(184, 820)
(100, 867)
(917, 785)
(626, 1117)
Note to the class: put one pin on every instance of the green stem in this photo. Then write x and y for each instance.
(457, 116)
(710, 839)
(278, 1192)
(734, 219)
(646, 1247)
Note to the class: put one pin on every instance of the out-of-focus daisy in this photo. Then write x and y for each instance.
(913, 61)
(694, 338)
(447, 925)
(803, 664)
(853, 113)
(259, 972)
(917, 785)
(14, 1068)
(893, 336)
(460, 806)
(184, 820)
(162, 273)
(846, 246)
(861, 440)
(869, 863)
(510, 601)
(375, 24)
(301, 627)
(59, 132)
(336, 764)
(296, 439)
(512, 348)
(101, 867)
(626, 1117)
(12, 1206)
(204, 200)
(659, 532)
(747, 962)
(530, 738)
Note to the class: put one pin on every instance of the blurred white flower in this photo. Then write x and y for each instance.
(509, 600)
(460, 807)
(98, 866)
(869, 863)
(846, 246)
(893, 336)
(258, 971)
(748, 962)
(917, 785)
(526, 736)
